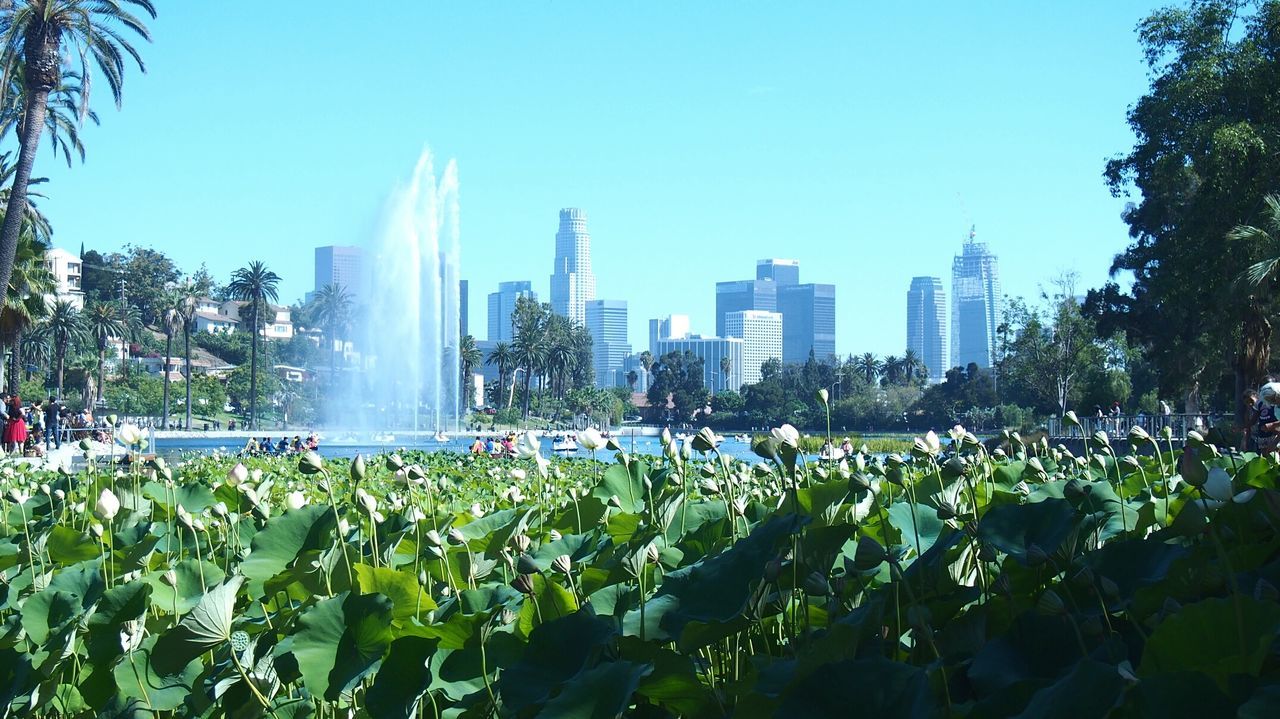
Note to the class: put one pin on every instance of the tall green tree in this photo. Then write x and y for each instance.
(257, 285)
(331, 309)
(41, 38)
(678, 378)
(103, 323)
(67, 329)
(502, 356)
(171, 321)
(469, 358)
(1206, 155)
(24, 302)
(187, 298)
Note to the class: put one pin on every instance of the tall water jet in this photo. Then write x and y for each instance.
(410, 372)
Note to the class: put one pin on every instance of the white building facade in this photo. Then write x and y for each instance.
(761, 335)
(573, 284)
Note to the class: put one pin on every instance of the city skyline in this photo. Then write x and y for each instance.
(977, 303)
(686, 162)
(927, 325)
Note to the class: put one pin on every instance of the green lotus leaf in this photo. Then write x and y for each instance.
(402, 679)
(138, 678)
(284, 538)
(875, 687)
(1014, 528)
(60, 605)
(400, 587)
(341, 640)
(1219, 637)
(604, 691)
(67, 546)
(206, 626)
(557, 651)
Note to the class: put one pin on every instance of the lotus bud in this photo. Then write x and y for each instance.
(424, 579)
(96, 529)
(170, 578)
(108, 505)
(59, 495)
(666, 436)
(220, 509)
(686, 449)
(433, 538)
(456, 536)
(615, 502)
(817, 585)
(1051, 604)
(237, 474)
(357, 468)
(591, 439)
(311, 463)
(869, 554)
(562, 564)
(523, 583)
(476, 510)
(1071, 419)
(740, 506)
(295, 500)
(394, 463)
(705, 440)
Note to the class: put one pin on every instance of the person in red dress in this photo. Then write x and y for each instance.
(15, 428)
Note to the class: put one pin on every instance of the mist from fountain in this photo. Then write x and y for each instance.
(409, 316)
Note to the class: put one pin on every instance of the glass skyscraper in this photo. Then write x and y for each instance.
(711, 350)
(607, 323)
(502, 303)
(927, 325)
(342, 266)
(741, 295)
(808, 322)
(976, 304)
(782, 272)
(572, 283)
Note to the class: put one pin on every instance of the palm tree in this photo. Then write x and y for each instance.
(131, 320)
(40, 38)
(66, 327)
(331, 309)
(911, 365)
(891, 370)
(102, 323)
(188, 298)
(502, 356)
(36, 350)
(256, 285)
(63, 119)
(24, 301)
(1256, 334)
(469, 357)
(726, 366)
(171, 320)
(868, 366)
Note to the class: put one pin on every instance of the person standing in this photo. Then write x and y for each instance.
(52, 424)
(15, 428)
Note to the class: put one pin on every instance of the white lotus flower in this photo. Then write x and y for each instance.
(295, 500)
(256, 476)
(477, 511)
(237, 474)
(527, 446)
(591, 439)
(1218, 485)
(518, 474)
(108, 505)
(931, 441)
(542, 464)
(220, 509)
(129, 435)
(367, 501)
(786, 434)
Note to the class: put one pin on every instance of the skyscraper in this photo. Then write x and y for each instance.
(927, 325)
(342, 266)
(464, 311)
(808, 322)
(782, 272)
(664, 328)
(572, 283)
(761, 334)
(711, 350)
(607, 323)
(740, 295)
(976, 304)
(502, 303)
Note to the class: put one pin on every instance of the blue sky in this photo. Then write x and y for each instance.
(862, 139)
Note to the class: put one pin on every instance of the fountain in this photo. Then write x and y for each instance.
(409, 319)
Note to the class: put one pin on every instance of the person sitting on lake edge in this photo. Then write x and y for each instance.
(1266, 433)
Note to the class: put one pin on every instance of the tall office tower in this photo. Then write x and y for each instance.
(927, 325)
(711, 350)
(464, 311)
(782, 272)
(572, 283)
(761, 334)
(607, 323)
(502, 303)
(740, 295)
(976, 304)
(808, 322)
(342, 266)
(665, 328)
(633, 364)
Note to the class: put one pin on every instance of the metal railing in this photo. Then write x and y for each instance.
(1119, 425)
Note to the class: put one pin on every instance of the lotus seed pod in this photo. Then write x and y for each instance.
(1138, 435)
(562, 564)
(526, 564)
(946, 510)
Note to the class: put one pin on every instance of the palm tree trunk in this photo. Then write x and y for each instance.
(15, 379)
(253, 367)
(102, 358)
(62, 363)
(16, 209)
(168, 354)
(186, 342)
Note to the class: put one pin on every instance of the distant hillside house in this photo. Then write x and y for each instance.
(279, 322)
(67, 270)
(215, 322)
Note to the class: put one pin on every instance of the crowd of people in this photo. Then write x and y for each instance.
(497, 447)
(265, 446)
(31, 429)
